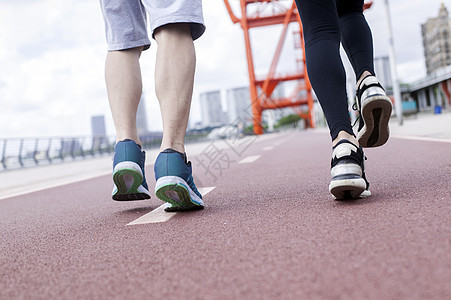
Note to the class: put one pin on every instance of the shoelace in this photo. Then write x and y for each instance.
(355, 108)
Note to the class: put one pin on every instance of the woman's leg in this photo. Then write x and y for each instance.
(322, 36)
(325, 69)
(373, 104)
(356, 37)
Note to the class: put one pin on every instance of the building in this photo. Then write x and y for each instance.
(98, 131)
(437, 41)
(141, 118)
(431, 91)
(211, 109)
(239, 105)
(382, 70)
(98, 125)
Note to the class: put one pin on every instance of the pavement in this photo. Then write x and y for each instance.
(427, 126)
(270, 229)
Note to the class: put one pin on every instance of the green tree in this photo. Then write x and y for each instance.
(288, 120)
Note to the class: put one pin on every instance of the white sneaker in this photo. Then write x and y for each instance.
(374, 109)
(348, 172)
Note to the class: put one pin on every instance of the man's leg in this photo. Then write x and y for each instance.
(126, 35)
(124, 86)
(174, 79)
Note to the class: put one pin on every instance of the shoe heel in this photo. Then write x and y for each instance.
(347, 189)
(376, 115)
(175, 190)
(128, 184)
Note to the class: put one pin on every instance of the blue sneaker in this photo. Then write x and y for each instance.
(175, 183)
(128, 172)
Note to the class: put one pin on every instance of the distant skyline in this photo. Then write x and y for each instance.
(52, 58)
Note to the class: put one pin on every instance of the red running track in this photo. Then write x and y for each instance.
(270, 230)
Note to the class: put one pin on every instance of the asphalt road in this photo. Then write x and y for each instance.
(270, 230)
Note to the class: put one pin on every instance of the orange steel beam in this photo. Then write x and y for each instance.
(230, 10)
(444, 85)
(268, 21)
(282, 103)
(258, 21)
(367, 5)
(308, 85)
(275, 61)
(282, 78)
(279, 15)
(256, 109)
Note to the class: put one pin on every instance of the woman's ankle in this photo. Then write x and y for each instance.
(364, 74)
(344, 135)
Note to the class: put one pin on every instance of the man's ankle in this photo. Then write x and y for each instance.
(124, 138)
(177, 146)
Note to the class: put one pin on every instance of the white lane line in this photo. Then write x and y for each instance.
(158, 215)
(44, 185)
(421, 138)
(249, 159)
(206, 190)
(279, 142)
(267, 148)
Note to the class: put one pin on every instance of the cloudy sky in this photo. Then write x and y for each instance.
(52, 55)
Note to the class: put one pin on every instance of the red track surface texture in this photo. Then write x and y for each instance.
(270, 230)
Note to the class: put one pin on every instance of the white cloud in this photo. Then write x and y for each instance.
(52, 79)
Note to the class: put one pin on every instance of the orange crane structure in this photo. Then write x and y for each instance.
(267, 13)
(260, 13)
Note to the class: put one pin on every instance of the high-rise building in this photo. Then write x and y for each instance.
(98, 125)
(437, 41)
(382, 70)
(211, 108)
(98, 131)
(239, 105)
(141, 118)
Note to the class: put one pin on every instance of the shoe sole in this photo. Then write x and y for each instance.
(175, 190)
(348, 189)
(127, 177)
(376, 112)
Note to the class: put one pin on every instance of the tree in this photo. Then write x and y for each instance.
(292, 119)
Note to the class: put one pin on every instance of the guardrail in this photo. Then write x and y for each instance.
(26, 152)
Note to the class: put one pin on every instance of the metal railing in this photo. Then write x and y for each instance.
(26, 152)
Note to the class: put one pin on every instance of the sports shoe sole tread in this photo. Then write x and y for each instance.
(178, 196)
(175, 190)
(132, 192)
(376, 113)
(347, 189)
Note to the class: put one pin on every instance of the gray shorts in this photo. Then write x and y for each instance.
(126, 20)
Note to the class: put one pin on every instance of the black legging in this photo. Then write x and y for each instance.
(326, 23)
